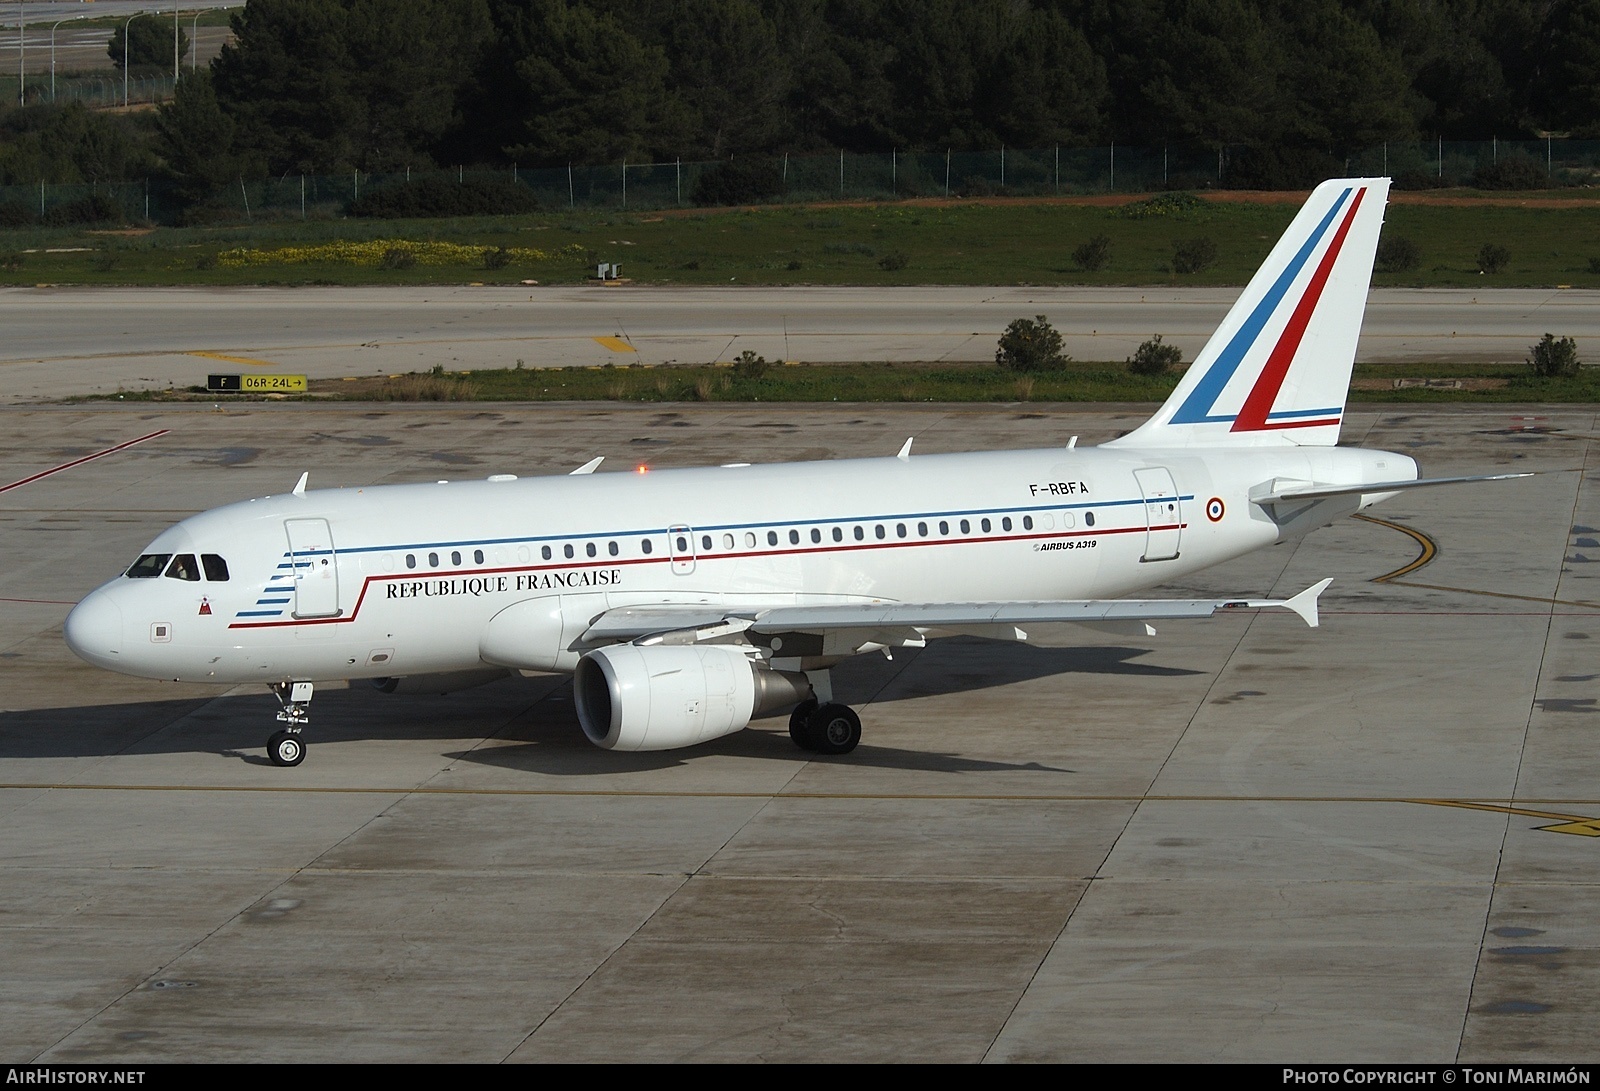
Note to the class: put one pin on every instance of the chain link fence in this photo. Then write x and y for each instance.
(840, 176)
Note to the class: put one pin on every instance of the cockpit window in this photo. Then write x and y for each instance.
(149, 566)
(183, 567)
(216, 567)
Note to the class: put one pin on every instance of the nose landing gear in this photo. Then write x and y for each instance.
(287, 747)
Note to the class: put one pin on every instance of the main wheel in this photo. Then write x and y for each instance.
(285, 748)
(835, 729)
(800, 724)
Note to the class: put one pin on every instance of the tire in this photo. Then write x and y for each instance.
(800, 725)
(286, 749)
(835, 729)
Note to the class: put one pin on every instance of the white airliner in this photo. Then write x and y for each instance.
(687, 602)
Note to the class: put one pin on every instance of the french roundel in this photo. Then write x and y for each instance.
(1214, 509)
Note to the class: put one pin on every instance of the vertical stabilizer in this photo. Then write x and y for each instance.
(1277, 371)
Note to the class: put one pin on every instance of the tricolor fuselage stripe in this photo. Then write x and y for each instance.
(1258, 404)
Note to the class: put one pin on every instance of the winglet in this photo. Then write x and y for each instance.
(905, 452)
(300, 486)
(1305, 603)
(588, 467)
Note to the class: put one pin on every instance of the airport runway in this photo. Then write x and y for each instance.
(1241, 840)
(62, 341)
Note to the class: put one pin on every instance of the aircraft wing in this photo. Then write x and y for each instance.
(655, 624)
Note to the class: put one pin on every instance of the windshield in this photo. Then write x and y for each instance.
(149, 566)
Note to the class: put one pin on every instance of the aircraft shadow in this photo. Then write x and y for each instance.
(531, 724)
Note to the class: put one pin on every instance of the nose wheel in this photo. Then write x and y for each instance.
(288, 747)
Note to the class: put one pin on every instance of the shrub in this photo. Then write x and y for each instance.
(738, 182)
(1512, 171)
(1493, 258)
(206, 261)
(1154, 358)
(96, 208)
(893, 262)
(15, 214)
(1093, 255)
(397, 257)
(1162, 204)
(1594, 265)
(1193, 255)
(1279, 168)
(1398, 254)
(496, 257)
(436, 196)
(11, 262)
(1030, 345)
(750, 366)
(1419, 179)
(1554, 358)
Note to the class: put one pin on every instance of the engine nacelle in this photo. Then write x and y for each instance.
(446, 682)
(667, 696)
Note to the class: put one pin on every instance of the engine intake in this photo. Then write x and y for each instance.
(668, 696)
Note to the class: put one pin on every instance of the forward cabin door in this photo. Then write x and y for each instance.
(316, 568)
(1163, 513)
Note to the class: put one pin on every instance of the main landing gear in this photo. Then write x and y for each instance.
(825, 728)
(287, 747)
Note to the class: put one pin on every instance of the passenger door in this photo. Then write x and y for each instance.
(316, 568)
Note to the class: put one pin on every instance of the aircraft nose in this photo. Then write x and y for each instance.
(94, 630)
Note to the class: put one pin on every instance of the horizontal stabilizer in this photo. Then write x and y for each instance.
(1311, 491)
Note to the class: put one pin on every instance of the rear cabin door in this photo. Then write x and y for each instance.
(1162, 512)
(316, 569)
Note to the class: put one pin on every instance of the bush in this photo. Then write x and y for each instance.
(750, 366)
(1493, 258)
(1030, 345)
(11, 262)
(1162, 204)
(1554, 358)
(893, 262)
(15, 214)
(397, 257)
(1154, 358)
(739, 182)
(435, 197)
(1594, 265)
(1398, 255)
(96, 208)
(496, 257)
(1419, 179)
(1193, 255)
(1279, 168)
(1093, 255)
(1513, 171)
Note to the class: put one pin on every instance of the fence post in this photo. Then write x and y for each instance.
(841, 172)
(1002, 166)
(947, 172)
(894, 172)
(41, 198)
(246, 194)
(302, 196)
(785, 175)
(678, 167)
(1112, 188)
(571, 200)
(1547, 157)
(1441, 155)
(1058, 170)
(624, 185)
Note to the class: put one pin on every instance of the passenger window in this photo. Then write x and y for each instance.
(433, 560)
(1088, 518)
(816, 535)
(794, 537)
(838, 535)
(455, 557)
(611, 547)
(878, 530)
(1027, 522)
(183, 567)
(1067, 520)
(644, 544)
(966, 527)
(772, 537)
(922, 530)
(216, 567)
(944, 526)
(705, 542)
(544, 551)
(986, 526)
(683, 544)
(477, 556)
(588, 547)
(411, 560)
(727, 541)
(750, 539)
(1005, 524)
(860, 533)
(567, 550)
(148, 566)
(900, 530)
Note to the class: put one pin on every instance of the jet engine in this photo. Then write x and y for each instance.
(447, 682)
(666, 696)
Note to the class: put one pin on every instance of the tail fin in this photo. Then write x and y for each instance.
(1277, 370)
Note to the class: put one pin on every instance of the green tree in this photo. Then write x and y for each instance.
(197, 139)
(149, 43)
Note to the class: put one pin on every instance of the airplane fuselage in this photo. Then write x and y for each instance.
(417, 579)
